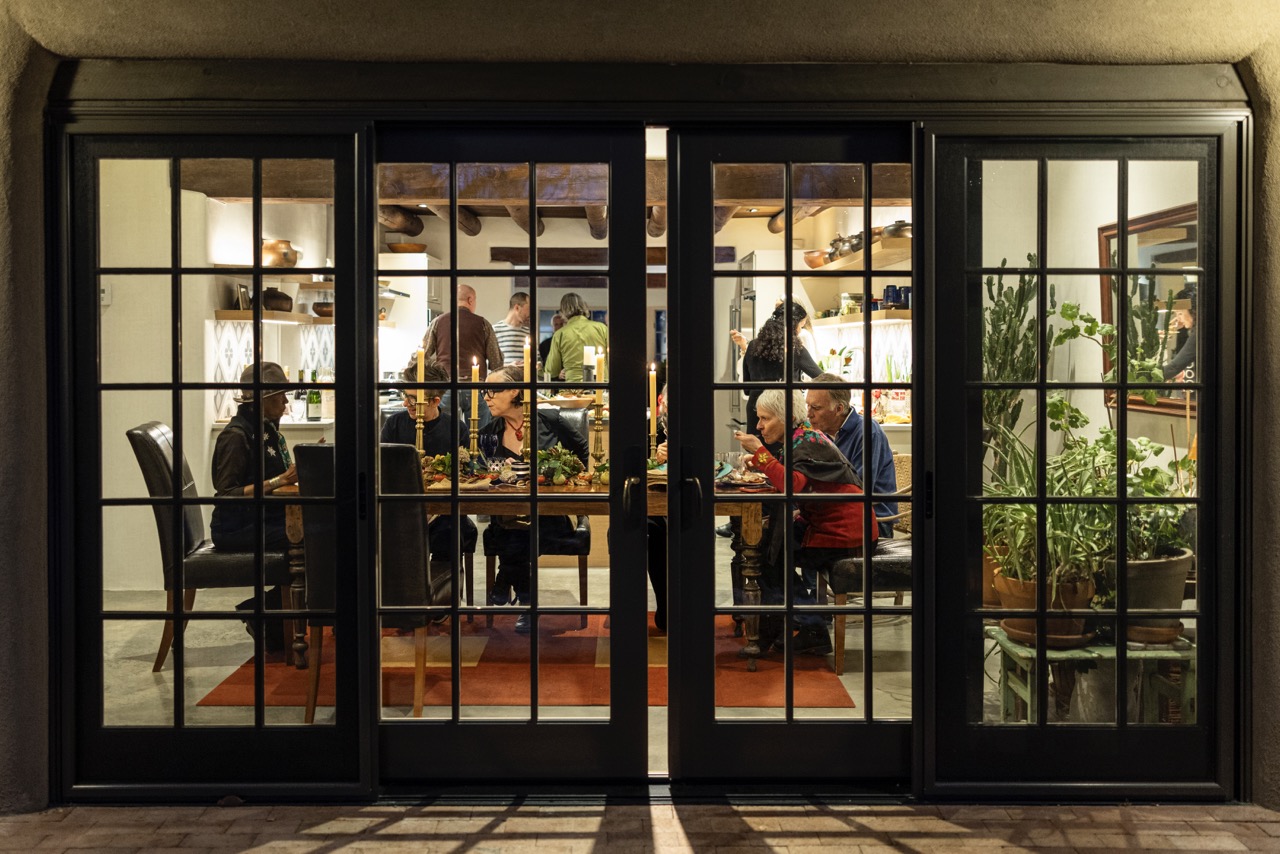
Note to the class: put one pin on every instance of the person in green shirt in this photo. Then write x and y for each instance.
(579, 331)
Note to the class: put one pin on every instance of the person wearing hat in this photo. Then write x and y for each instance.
(235, 467)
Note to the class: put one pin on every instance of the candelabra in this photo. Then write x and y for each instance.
(420, 409)
(597, 429)
(653, 446)
(524, 453)
(474, 447)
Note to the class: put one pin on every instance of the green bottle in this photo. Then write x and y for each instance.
(313, 401)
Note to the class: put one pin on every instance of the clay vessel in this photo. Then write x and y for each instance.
(279, 253)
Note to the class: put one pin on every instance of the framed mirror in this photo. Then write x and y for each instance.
(1162, 339)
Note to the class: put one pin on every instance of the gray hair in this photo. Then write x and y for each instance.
(774, 401)
(572, 305)
(839, 396)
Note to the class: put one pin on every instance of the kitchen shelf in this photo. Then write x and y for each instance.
(885, 252)
(278, 278)
(328, 321)
(292, 317)
(855, 318)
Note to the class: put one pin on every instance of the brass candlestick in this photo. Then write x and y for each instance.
(524, 453)
(420, 409)
(475, 437)
(653, 446)
(597, 428)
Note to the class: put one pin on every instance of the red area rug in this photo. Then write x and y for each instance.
(573, 670)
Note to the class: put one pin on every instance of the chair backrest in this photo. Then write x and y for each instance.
(577, 419)
(902, 471)
(153, 446)
(403, 549)
(319, 527)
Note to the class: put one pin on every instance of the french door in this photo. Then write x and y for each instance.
(802, 238)
(538, 671)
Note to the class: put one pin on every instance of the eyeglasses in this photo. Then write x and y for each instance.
(488, 394)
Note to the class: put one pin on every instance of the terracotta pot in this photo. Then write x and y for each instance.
(1060, 632)
(1157, 584)
(990, 599)
(279, 253)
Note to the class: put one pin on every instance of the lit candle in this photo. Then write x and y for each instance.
(605, 376)
(475, 392)
(653, 399)
(421, 354)
(527, 363)
(599, 373)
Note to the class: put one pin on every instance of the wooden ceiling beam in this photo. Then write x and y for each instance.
(520, 213)
(468, 223)
(589, 256)
(598, 221)
(399, 220)
(777, 222)
(656, 220)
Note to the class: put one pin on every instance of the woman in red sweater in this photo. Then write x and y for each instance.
(832, 529)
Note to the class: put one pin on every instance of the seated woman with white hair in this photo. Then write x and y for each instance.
(832, 529)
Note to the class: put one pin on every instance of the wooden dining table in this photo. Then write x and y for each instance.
(746, 542)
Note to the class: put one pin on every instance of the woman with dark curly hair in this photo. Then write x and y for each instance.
(764, 357)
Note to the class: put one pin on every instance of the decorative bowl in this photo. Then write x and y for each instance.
(407, 247)
(815, 257)
(322, 309)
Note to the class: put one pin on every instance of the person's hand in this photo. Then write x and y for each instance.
(739, 339)
(290, 476)
(661, 454)
(749, 443)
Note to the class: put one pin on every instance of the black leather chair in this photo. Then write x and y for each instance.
(202, 564)
(890, 573)
(577, 543)
(407, 575)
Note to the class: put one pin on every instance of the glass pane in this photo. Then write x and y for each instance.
(414, 215)
(1082, 680)
(1162, 678)
(122, 471)
(1082, 447)
(573, 667)
(1161, 575)
(1007, 466)
(573, 204)
(837, 325)
(747, 196)
(497, 195)
(1009, 219)
(1010, 334)
(1007, 677)
(416, 657)
(1163, 221)
(1081, 335)
(496, 669)
(1010, 555)
(134, 213)
(217, 214)
(1080, 544)
(1081, 198)
(891, 216)
(297, 213)
(132, 567)
(753, 688)
(571, 363)
(891, 647)
(132, 695)
(827, 216)
(1163, 345)
(891, 358)
(136, 341)
(217, 339)
(218, 672)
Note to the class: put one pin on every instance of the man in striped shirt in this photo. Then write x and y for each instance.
(513, 331)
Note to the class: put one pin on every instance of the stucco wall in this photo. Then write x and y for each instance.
(1124, 31)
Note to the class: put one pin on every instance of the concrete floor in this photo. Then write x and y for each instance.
(796, 827)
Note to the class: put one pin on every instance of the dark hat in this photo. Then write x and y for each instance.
(272, 374)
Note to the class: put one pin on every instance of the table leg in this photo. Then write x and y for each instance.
(297, 582)
(751, 531)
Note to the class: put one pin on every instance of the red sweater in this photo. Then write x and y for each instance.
(830, 524)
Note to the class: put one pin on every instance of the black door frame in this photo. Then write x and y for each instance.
(277, 98)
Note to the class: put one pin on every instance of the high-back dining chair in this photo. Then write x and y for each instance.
(202, 564)
(406, 577)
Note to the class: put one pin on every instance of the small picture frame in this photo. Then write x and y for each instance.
(243, 301)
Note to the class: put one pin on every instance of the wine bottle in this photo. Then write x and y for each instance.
(313, 400)
(302, 378)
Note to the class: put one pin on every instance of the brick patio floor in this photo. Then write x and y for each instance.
(570, 829)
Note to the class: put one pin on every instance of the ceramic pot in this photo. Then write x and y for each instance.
(279, 253)
(1060, 632)
(322, 309)
(900, 228)
(274, 299)
(1157, 584)
(815, 257)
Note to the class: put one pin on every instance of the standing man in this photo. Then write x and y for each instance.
(830, 412)
(513, 331)
(476, 340)
(544, 348)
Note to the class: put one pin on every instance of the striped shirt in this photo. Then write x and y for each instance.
(511, 341)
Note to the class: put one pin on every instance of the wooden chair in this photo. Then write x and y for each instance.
(202, 564)
(890, 572)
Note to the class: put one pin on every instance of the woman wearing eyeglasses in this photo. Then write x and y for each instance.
(503, 438)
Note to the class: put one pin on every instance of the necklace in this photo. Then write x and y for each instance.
(517, 429)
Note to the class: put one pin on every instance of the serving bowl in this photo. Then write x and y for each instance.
(407, 247)
(322, 309)
(815, 257)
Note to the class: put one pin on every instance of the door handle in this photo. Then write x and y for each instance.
(691, 491)
(631, 484)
